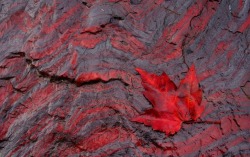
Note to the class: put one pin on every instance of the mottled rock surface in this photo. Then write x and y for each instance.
(68, 85)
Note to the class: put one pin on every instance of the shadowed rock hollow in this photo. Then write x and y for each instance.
(68, 84)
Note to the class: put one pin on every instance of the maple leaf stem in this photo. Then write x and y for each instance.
(207, 122)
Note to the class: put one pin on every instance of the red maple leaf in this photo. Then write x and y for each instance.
(171, 105)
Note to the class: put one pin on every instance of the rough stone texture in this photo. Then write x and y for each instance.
(68, 85)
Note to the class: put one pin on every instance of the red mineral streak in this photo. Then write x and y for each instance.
(74, 60)
(88, 40)
(50, 28)
(104, 111)
(171, 105)
(101, 138)
(213, 131)
(170, 45)
(245, 25)
(122, 41)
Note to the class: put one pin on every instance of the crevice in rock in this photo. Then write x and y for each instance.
(184, 58)
(135, 2)
(62, 79)
(86, 4)
(16, 55)
(172, 11)
(91, 82)
(3, 67)
(215, 1)
(243, 90)
(199, 14)
(93, 32)
(117, 18)
(3, 141)
(202, 122)
(230, 31)
(19, 90)
(6, 78)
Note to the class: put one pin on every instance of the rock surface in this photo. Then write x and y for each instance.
(68, 85)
